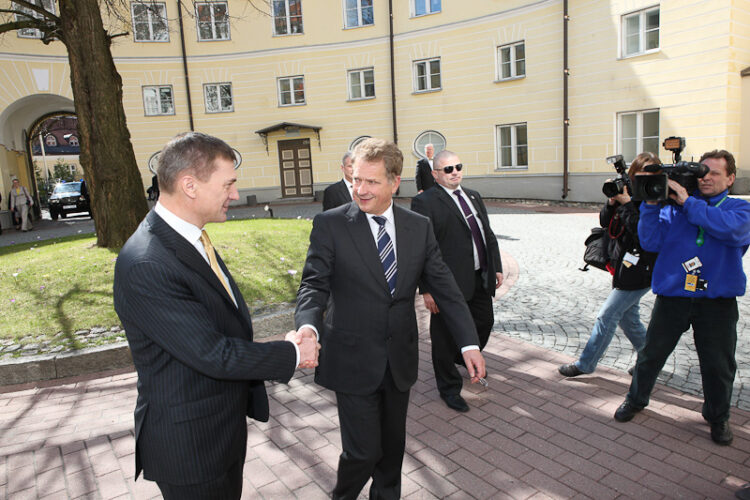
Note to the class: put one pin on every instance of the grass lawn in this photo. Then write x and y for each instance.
(50, 289)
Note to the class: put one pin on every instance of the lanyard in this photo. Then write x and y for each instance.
(700, 240)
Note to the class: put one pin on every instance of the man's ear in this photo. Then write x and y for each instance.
(187, 183)
(734, 178)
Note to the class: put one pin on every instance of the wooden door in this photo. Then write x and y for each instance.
(295, 166)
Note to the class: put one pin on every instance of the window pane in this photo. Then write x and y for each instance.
(225, 93)
(367, 14)
(296, 24)
(354, 85)
(652, 20)
(352, 18)
(632, 25)
(652, 40)
(505, 54)
(434, 5)
(150, 101)
(522, 156)
(505, 70)
(521, 135)
(506, 157)
(419, 7)
(212, 102)
(521, 51)
(628, 126)
(505, 136)
(165, 95)
(520, 68)
(651, 124)
(421, 68)
(435, 81)
(628, 150)
(369, 89)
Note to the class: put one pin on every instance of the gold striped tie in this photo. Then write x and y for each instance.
(211, 252)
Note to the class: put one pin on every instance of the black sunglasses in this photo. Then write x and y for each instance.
(449, 168)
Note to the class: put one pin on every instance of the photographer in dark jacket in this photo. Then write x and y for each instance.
(631, 269)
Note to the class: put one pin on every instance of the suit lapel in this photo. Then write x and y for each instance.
(403, 248)
(444, 197)
(187, 254)
(359, 230)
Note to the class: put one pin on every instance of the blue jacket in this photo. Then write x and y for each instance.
(672, 231)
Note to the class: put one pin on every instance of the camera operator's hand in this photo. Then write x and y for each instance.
(677, 192)
(622, 198)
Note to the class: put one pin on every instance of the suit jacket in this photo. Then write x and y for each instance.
(424, 177)
(336, 195)
(199, 371)
(454, 237)
(344, 294)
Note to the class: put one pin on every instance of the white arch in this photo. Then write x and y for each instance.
(21, 114)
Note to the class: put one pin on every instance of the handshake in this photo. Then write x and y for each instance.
(307, 342)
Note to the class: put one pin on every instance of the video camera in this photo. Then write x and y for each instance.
(617, 185)
(685, 173)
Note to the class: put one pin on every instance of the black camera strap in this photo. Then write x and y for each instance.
(700, 240)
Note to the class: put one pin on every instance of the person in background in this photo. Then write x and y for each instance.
(340, 192)
(20, 202)
(424, 177)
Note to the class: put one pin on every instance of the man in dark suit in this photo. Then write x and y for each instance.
(340, 192)
(357, 293)
(424, 177)
(190, 333)
(469, 248)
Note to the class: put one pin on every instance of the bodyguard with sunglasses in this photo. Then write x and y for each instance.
(469, 248)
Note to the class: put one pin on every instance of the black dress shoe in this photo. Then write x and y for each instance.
(626, 412)
(570, 370)
(721, 433)
(456, 402)
(743, 493)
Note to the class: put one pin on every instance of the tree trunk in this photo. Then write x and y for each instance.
(117, 194)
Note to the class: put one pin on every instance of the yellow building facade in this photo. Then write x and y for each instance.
(292, 84)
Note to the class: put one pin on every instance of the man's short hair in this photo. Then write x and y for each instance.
(441, 157)
(379, 149)
(348, 154)
(429, 145)
(192, 151)
(719, 154)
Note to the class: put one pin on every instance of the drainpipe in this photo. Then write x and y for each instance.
(393, 77)
(566, 120)
(185, 66)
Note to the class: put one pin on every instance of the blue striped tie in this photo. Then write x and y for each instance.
(387, 254)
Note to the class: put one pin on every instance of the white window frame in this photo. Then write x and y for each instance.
(642, 31)
(639, 137)
(48, 5)
(291, 80)
(158, 89)
(214, 22)
(433, 137)
(427, 75)
(513, 146)
(152, 16)
(288, 17)
(219, 106)
(73, 141)
(362, 85)
(359, 8)
(514, 60)
(427, 7)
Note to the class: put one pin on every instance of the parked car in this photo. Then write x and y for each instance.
(67, 198)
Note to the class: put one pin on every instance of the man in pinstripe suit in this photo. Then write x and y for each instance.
(190, 333)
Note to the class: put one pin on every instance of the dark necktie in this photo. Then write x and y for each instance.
(476, 234)
(387, 254)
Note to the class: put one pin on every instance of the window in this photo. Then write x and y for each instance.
(512, 146)
(157, 100)
(429, 137)
(422, 7)
(638, 132)
(150, 22)
(291, 90)
(48, 5)
(213, 21)
(218, 97)
(72, 169)
(357, 13)
(50, 140)
(287, 17)
(356, 141)
(73, 141)
(427, 75)
(640, 32)
(511, 61)
(361, 83)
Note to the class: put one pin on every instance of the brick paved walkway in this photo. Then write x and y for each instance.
(529, 435)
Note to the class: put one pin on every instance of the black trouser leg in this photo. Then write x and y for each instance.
(715, 333)
(670, 318)
(227, 486)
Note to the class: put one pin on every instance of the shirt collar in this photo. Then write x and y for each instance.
(189, 231)
(450, 191)
(388, 214)
(715, 199)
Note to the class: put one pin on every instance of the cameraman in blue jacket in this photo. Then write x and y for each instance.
(697, 278)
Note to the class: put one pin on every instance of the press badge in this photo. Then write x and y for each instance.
(629, 259)
(692, 264)
(691, 282)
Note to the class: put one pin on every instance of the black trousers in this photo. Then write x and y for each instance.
(373, 438)
(228, 486)
(714, 323)
(445, 352)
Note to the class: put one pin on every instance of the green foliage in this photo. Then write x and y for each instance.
(54, 288)
(62, 171)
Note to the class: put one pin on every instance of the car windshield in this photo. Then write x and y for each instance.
(68, 187)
